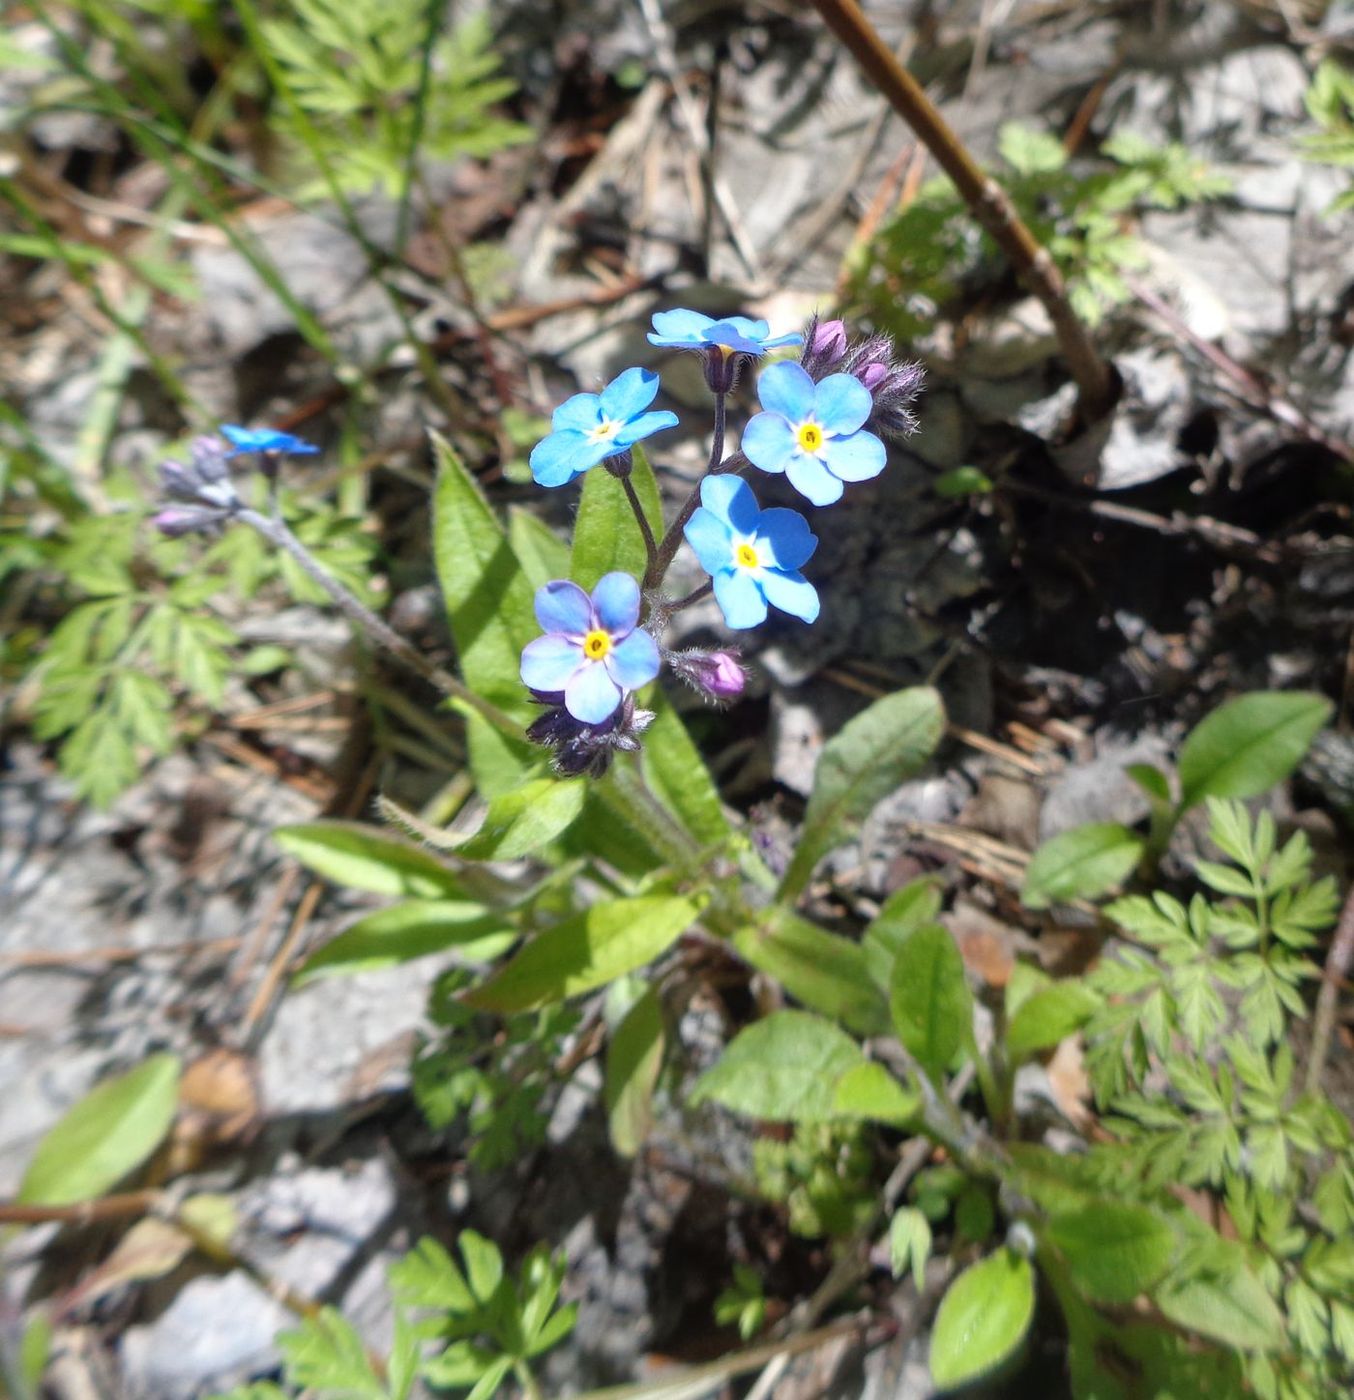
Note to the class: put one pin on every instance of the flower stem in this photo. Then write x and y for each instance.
(645, 529)
(987, 201)
(380, 632)
(694, 596)
(672, 538)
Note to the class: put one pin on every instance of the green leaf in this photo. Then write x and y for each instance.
(366, 858)
(910, 1244)
(1030, 152)
(678, 775)
(586, 951)
(522, 821)
(929, 998)
(634, 1055)
(325, 1352)
(1227, 1303)
(906, 909)
(785, 1068)
(411, 930)
(1247, 745)
(489, 601)
(541, 553)
(872, 755)
(962, 481)
(1151, 780)
(982, 1318)
(1049, 1016)
(1114, 1251)
(870, 1091)
(1080, 864)
(823, 970)
(606, 533)
(109, 1133)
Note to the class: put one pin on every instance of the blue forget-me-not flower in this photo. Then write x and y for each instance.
(589, 428)
(265, 440)
(594, 652)
(752, 555)
(813, 432)
(690, 330)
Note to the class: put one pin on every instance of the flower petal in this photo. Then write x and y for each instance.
(560, 457)
(633, 661)
(746, 326)
(548, 663)
(591, 695)
(562, 607)
(711, 538)
(781, 341)
(812, 479)
(731, 499)
(843, 403)
(645, 425)
(629, 394)
(678, 327)
(791, 592)
(787, 389)
(728, 334)
(265, 440)
(769, 440)
(581, 413)
(786, 537)
(615, 602)
(855, 458)
(739, 598)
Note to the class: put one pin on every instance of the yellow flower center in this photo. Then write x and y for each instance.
(605, 429)
(809, 436)
(745, 556)
(596, 644)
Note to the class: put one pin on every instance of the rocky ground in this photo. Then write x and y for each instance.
(1074, 627)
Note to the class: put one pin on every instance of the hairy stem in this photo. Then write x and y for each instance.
(672, 538)
(380, 632)
(1338, 962)
(987, 201)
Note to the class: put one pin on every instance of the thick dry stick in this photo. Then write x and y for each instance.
(989, 203)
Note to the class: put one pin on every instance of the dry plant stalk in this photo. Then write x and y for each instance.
(989, 203)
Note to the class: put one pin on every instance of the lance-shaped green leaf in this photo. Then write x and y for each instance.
(634, 1055)
(1080, 864)
(541, 553)
(366, 858)
(982, 1319)
(606, 533)
(917, 903)
(522, 821)
(586, 951)
(872, 755)
(678, 775)
(1049, 1015)
(1114, 1251)
(489, 600)
(929, 998)
(1247, 745)
(414, 929)
(111, 1131)
(785, 1068)
(826, 972)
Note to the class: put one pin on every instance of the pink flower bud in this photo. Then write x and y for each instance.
(872, 375)
(724, 678)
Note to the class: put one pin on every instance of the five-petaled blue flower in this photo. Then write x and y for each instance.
(588, 428)
(752, 555)
(690, 330)
(593, 651)
(813, 432)
(265, 440)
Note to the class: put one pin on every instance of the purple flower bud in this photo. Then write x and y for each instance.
(177, 521)
(588, 748)
(210, 456)
(717, 675)
(178, 482)
(829, 341)
(872, 375)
